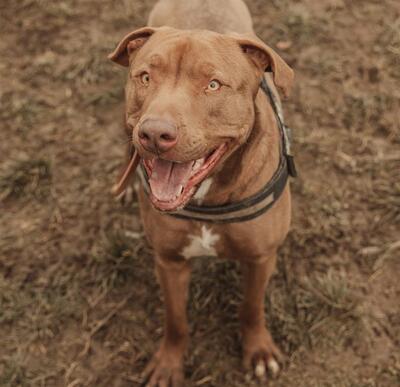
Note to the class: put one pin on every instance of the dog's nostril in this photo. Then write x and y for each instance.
(157, 135)
(167, 137)
(143, 135)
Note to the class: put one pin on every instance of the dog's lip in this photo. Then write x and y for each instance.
(204, 167)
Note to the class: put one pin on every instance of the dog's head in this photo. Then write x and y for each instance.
(190, 102)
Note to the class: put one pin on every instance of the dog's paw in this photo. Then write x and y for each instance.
(261, 355)
(264, 365)
(164, 370)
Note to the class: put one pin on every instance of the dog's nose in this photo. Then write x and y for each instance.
(157, 135)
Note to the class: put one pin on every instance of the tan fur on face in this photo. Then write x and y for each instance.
(181, 64)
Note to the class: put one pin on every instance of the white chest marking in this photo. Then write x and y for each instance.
(201, 245)
(202, 191)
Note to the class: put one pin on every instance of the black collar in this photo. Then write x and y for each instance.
(256, 204)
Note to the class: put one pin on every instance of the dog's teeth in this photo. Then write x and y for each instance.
(197, 164)
(181, 188)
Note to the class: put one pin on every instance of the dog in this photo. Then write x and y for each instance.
(213, 156)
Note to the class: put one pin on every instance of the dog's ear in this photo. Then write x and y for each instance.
(266, 59)
(131, 42)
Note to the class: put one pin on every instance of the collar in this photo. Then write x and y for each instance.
(256, 204)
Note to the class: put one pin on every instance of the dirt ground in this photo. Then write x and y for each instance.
(79, 304)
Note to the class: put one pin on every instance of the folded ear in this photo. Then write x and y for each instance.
(129, 44)
(266, 59)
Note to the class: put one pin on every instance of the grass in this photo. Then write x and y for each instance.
(389, 42)
(367, 112)
(36, 311)
(300, 26)
(317, 311)
(91, 68)
(12, 373)
(61, 8)
(385, 195)
(24, 178)
(30, 177)
(310, 311)
(12, 303)
(116, 262)
(22, 109)
(325, 65)
(106, 98)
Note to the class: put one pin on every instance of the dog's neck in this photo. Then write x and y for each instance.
(252, 165)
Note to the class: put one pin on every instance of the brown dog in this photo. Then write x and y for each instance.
(207, 135)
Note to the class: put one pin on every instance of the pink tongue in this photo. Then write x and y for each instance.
(168, 178)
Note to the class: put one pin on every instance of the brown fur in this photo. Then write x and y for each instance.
(181, 63)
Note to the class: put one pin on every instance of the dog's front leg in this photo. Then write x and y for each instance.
(259, 351)
(166, 367)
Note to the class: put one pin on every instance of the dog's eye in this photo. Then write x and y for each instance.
(214, 85)
(145, 78)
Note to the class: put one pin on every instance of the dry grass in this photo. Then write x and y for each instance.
(386, 197)
(25, 177)
(321, 310)
(389, 40)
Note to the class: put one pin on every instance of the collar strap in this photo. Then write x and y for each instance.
(285, 131)
(256, 204)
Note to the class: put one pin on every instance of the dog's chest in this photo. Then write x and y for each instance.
(202, 242)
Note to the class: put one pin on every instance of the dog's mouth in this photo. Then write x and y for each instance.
(172, 184)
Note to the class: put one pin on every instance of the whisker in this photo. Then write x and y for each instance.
(129, 140)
